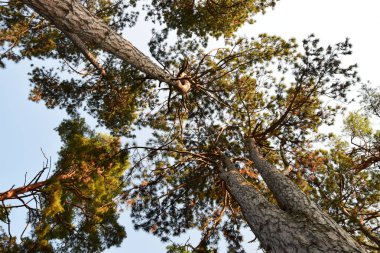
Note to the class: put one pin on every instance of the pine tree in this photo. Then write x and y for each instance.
(230, 129)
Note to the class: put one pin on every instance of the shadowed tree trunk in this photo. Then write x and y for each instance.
(295, 225)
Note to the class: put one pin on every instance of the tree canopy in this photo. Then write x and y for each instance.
(229, 129)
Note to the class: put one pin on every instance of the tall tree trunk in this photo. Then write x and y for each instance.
(72, 18)
(297, 224)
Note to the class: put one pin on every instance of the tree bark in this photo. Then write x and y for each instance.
(14, 193)
(296, 225)
(32, 187)
(71, 17)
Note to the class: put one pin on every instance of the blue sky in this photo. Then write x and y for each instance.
(27, 127)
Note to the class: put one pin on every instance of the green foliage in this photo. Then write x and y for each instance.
(24, 34)
(177, 249)
(78, 207)
(8, 244)
(3, 214)
(345, 180)
(357, 126)
(370, 100)
(204, 17)
(242, 91)
(94, 167)
(113, 100)
(266, 87)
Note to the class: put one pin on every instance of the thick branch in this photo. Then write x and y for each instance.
(366, 230)
(71, 17)
(366, 163)
(89, 56)
(15, 193)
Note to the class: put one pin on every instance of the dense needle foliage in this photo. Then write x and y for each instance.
(268, 88)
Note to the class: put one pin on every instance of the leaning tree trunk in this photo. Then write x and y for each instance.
(75, 21)
(296, 225)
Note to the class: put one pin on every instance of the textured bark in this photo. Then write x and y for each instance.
(14, 193)
(298, 226)
(279, 231)
(287, 194)
(72, 18)
(32, 187)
